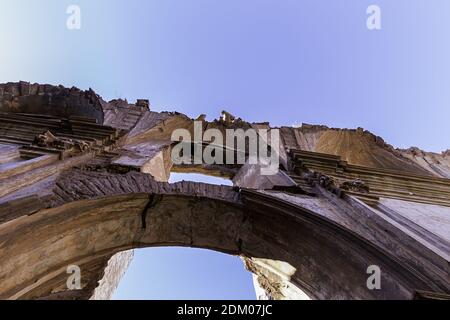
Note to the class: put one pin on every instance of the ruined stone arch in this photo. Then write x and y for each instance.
(96, 215)
(79, 187)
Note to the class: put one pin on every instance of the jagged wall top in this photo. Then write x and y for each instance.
(357, 146)
(23, 97)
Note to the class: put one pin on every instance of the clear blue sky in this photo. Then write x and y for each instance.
(287, 61)
(186, 274)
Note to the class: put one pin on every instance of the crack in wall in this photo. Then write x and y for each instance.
(154, 199)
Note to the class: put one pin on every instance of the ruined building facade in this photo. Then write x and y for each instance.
(84, 181)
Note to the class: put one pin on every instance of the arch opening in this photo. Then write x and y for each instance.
(199, 177)
(175, 273)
